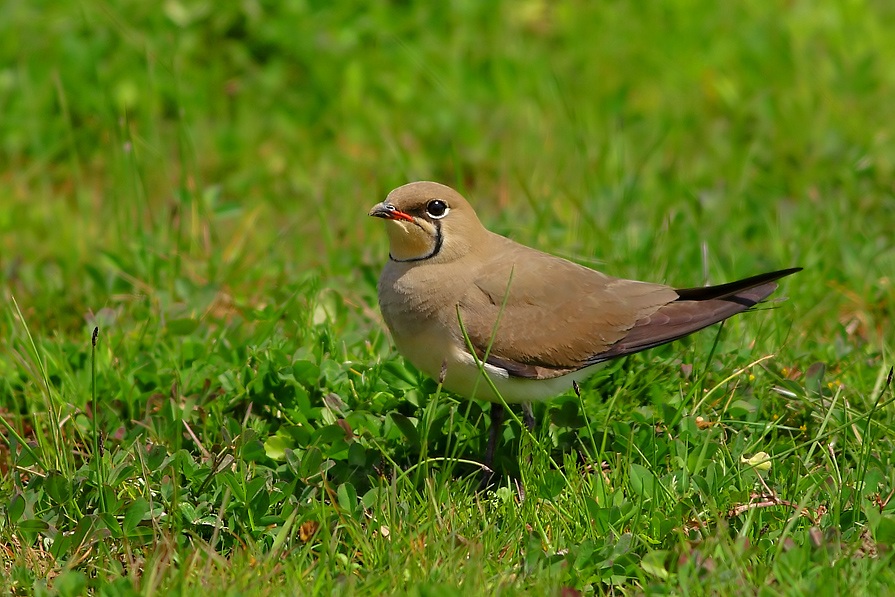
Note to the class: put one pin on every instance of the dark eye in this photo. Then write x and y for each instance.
(437, 209)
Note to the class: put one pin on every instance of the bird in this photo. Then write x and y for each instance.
(460, 301)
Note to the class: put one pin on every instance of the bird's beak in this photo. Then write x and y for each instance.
(387, 211)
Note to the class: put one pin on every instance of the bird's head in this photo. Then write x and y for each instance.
(428, 221)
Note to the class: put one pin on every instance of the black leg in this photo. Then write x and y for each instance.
(528, 416)
(528, 419)
(496, 421)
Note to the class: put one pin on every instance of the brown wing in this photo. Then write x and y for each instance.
(543, 316)
(695, 309)
(539, 316)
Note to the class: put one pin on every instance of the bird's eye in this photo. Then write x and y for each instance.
(437, 209)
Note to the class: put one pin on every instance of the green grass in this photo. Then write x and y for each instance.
(193, 180)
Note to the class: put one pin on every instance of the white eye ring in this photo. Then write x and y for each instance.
(437, 209)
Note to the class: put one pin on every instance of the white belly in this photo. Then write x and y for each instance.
(432, 355)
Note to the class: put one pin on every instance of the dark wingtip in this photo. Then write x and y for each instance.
(702, 293)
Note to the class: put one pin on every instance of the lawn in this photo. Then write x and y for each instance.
(197, 390)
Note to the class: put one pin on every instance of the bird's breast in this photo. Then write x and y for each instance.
(419, 309)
